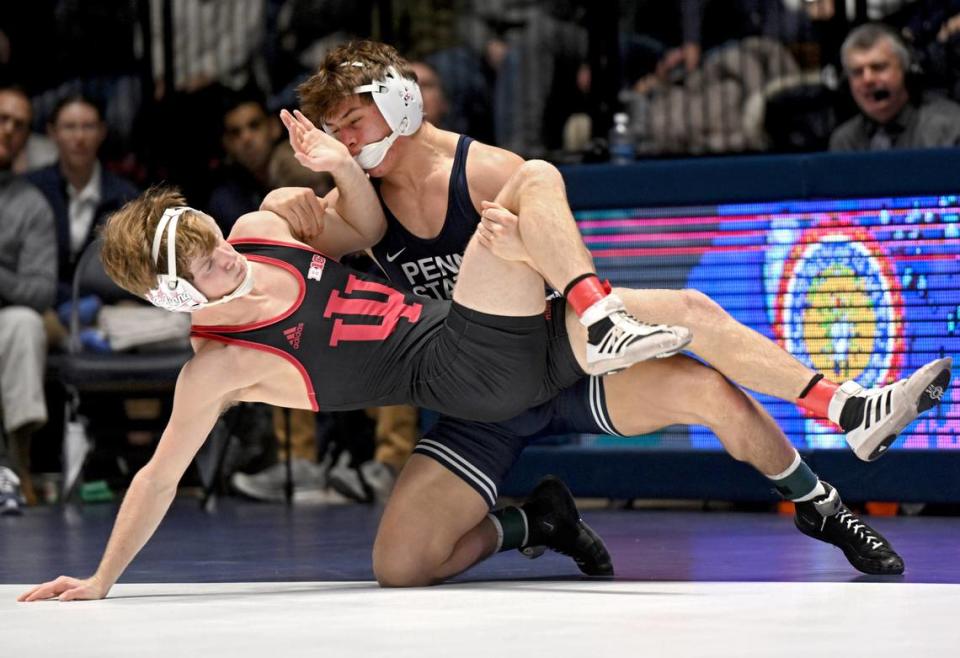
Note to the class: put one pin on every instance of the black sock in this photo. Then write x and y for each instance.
(597, 330)
(852, 413)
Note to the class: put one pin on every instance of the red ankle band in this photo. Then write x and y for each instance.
(817, 399)
(584, 293)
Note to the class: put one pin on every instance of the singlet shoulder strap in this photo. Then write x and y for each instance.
(459, 196)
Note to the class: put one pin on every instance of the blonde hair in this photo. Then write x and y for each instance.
(338, 76)
(128, 240)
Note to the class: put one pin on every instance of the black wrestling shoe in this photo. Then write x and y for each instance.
(554, 521)
(826, 518)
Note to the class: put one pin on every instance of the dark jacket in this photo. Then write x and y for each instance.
(114, 192)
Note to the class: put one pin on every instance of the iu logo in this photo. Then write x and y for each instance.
(316, 267)
(293, 335)
(389, 311)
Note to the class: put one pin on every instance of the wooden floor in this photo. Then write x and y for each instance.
(252, 579)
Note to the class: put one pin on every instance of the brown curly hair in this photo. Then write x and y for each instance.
(337, 77)
(128, 240)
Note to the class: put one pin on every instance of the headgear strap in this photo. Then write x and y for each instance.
(175, 293)
(401, 104)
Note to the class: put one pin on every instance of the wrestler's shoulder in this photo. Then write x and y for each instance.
(489, 168)
(261, 224)
(487, 155)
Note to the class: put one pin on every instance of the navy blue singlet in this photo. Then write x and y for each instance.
(429, 266)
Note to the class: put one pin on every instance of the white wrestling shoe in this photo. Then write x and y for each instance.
(889, 409)
(616, 340)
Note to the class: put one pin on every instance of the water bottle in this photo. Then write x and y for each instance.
(621, 141)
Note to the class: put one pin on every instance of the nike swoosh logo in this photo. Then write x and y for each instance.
(393, 257)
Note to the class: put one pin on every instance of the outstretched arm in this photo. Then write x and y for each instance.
(200, 395)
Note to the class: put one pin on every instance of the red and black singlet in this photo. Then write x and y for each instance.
(355, 339)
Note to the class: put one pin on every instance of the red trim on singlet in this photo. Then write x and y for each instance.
(202, 331)
(311, 394)
(236, 328)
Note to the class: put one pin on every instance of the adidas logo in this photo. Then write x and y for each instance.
(293, 335)
(935, 392)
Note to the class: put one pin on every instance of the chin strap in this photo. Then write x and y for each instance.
(175, 293)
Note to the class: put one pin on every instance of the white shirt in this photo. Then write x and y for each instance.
(81, 209)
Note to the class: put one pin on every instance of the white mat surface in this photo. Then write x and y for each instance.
(491, 620)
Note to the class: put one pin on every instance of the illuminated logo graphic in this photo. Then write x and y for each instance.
(839, 309)
(862, 289)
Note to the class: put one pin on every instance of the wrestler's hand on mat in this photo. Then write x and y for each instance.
(66, 589)
(499, 231)
(300, 207)
(312, 147)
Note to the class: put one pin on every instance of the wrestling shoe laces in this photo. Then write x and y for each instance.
(876, 416)
(827, 519)
(554, 522)
(616, 340)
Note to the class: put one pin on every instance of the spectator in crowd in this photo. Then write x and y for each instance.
(436, 108)
(891, 115)
(95, 50)
(932, 28)
(666, 41)
(832, 20)
(80, 191)
(305, 30)
(27, 287)
(201, 52)
(698, 95)
(537, 50)
(250, 135)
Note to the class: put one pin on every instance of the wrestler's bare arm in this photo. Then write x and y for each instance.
(351, 210)
(266, 225)
(314, 221)
(208, 383)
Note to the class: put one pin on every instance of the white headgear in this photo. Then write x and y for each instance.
(401, 104)
(175, 293)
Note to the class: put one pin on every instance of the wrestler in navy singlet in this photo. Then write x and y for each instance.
(359, 342)
(481, 454)
(429, 266)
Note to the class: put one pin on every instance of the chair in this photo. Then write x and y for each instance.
(84, 373)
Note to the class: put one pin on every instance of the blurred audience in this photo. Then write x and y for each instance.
(932, 28)
(28, 274)
(95, 52)
(81, 192)
(891, 115)
(436, 108)
(394, 436)
(249, 135)
(536, 51)
(200, 52)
